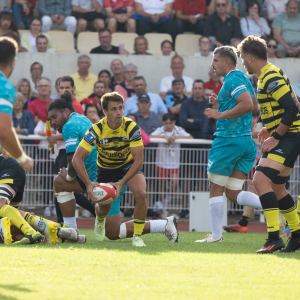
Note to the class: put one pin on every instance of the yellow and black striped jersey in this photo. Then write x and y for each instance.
(113, 146)
(273, 85)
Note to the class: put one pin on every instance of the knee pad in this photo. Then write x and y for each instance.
(280, 180)
(269, 172)
(6, 193)
(123, 231)
(217, 179)
(234, 184)
(64, 197)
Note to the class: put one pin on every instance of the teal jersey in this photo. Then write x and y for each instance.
(7, 95)
(235, 83)
(73, 132)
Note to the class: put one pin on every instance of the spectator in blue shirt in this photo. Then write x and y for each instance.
(140, 88)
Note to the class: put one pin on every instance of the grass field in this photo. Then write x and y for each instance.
(114, 270)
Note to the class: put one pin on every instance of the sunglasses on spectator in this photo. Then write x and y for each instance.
(221, 4)
(272, 46)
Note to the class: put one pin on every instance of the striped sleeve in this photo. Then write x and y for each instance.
(6, 106)
(236, 87)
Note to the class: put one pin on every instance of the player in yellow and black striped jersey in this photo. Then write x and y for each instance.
(281, 143)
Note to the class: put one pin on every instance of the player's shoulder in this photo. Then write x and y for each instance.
(6, 87)
(128, 124)
(271, 73)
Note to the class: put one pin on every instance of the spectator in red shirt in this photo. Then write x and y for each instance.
(190, 15)
(214, 82)
(119, 14)
(99, 91)
(38, 107)
(23, 11)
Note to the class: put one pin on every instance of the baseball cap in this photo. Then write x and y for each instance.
(144, 97)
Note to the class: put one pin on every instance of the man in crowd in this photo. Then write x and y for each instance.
(99, 91)
(83, 79)
(175, 98)
(116, 67)
(214, 81)
(36, 70)
(140, 88)
(177, 66)
(41, 45)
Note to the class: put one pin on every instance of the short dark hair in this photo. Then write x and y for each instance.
(204, 37)
(8, 50)
(106, 72)
(199, 81)
(35, 19)
(168, 116)
(114, 96)
(68, 79)
(254, 46)
(227, 52)
(65, 101)
(141, 37)
(41, 36)
(92, 105)
(166, 42)
(103, 30)
(99, 81)
(250, 4)
(35, 63)
(139, 78)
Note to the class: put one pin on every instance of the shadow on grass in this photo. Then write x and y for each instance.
(2, 297)
(14, 287)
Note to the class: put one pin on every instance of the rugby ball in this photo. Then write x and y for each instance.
(105, 193)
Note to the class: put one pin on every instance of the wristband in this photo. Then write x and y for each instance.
(22, 158)
(276, 136)
(69, 178)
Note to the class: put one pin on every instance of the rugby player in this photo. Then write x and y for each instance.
(233, 151)
(281, 143)
(120, 157)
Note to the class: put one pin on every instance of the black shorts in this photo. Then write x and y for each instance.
(13, 174)
(287, 150)
(113, 175)
(61, 161)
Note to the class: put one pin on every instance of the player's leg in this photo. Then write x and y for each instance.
(5, 231)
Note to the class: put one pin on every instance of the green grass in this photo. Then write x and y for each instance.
(115, 270)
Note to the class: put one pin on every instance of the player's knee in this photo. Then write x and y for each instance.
(264, 175)
(64, 197)
(112, 233)
(140, 195)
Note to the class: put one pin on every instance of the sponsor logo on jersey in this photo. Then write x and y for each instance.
(103, 141)
(116, 154)
(136, 136)
(124, 139)
(90, 137)
(272, 86)
(279, 151)
(5, 175)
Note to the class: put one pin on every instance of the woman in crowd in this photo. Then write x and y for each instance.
(204, 46)
(253, 24)
(105, 76)
(93, 113)
(28, 38)
(7, 23)
(23, 86)
(166, 47)
(140, 46)
(125, 89)
(272, 48)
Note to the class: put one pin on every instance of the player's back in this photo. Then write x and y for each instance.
(7, 95)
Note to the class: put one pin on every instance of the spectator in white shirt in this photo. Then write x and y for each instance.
(177, 66)
(204, 45)
(275, 8)
(41, 45)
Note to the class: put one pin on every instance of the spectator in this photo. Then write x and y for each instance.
(145, 136)
(272, 48)
(105, 77)
(105, 44)
(119, 15)
(84, 80)
(88, 14)
(286, 30)
(177, 66)
(254, 80)
(140, 88)
(23, 86)
(221, 28)
(211, 7)
(140, 46)
(166, 47)
(36, 70)
(274, 8)
(99, 91)
(214, 81)
(154, 15)
(204, 45)
(23, 120)
(38, 107)
(174, 99)
(28, 39)
(125, 89)
(67, 84)
(23, 12)
(240, 9)
(57, 14)
(208, 92)
(7, 23)
(190, 15)
(41, 45)
(92, 113)
(253, 24)
(55, 96)
(116, 67)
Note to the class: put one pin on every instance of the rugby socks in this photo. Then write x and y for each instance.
(35, 222)
(82, 201)
(157, 226)
(288, 210)
(248, 199)
(270, 206)
(216, 210)
(16, 219)
(138, 227)
(298, 207)
(244, 221)
(71, 222)
(101, 218)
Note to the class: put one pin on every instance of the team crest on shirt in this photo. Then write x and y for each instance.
(116, 143)
(103, 141)
(272, 86)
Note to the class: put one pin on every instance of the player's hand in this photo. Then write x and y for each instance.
(90, 188)
(28, 164)
(63, 173)
(52, 139)
(213, 114)
(119, 186)
(263, 135)
(269, 144)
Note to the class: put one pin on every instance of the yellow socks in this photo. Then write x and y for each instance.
(36, 222)
(298, 207)
(101, 218)
(16, 219)
(138, 227)
(288, 210)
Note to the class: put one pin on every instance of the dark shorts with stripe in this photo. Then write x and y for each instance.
(287, 150)
(61, 161)
(13, 174)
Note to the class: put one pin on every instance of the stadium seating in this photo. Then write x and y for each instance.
(125, 38)
(155, 40)
(86, 41)
(63, 40)
(187, 44)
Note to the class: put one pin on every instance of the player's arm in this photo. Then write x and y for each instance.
(71, 170)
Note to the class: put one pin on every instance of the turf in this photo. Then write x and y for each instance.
(114, 270)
